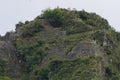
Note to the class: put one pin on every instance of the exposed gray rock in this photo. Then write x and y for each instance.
(8, 54)
(84, 49)
(79, 50)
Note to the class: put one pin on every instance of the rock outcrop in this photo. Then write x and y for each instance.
(82, 47)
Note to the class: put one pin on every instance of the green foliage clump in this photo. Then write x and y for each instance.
(79, 69)
(5, 78)
(30, 51)
(31, 29)
(24, 77)
(108, 49)
(2, 64)
(118, 36)
(55, 17)
(39, 74)
(19, 24)
(75, 21)
(99, 37)
(60, 17)
(80, 28)
(94, 20)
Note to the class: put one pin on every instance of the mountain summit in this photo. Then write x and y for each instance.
(61, 44)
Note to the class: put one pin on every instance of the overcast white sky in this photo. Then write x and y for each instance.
(13, 11)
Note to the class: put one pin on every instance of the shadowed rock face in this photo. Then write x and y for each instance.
(8, 54)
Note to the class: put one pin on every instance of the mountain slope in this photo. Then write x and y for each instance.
(61, 44)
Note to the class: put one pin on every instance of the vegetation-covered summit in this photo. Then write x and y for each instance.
(61, 44)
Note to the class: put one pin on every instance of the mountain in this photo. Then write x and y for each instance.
(61, 44)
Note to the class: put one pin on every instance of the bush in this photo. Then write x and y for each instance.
(118, 36)
(30, 29)
(19, 24)
(30, 51)
(55, 17)
(94, 20)
(99, 36)
(4, 78)
(83, 15)
(40, 74)
(108, 71)
(2, 67)
(24, 77)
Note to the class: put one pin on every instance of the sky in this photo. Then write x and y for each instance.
(14, 11)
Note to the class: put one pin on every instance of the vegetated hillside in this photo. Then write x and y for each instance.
(61, 44)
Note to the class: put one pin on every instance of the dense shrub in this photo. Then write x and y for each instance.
(118, 36)
(55, 17)
(83, 15)
(40, 74)
(5, 78)
(65, 70)
(19, 24)
(31, 29)
(33, 58)
(99, 37)
(108, 72)
(2, 68)
(30, 51)
(96, 21)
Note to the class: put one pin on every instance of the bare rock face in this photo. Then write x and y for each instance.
(8, 54)
(84, 49)
(3, 50)
(10, 36)
(81, 49)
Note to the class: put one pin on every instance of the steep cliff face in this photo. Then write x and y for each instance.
(8, 56)
(61, 44)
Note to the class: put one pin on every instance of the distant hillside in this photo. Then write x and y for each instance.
(61, 44)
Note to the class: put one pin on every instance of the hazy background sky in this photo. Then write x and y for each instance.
(13, 11)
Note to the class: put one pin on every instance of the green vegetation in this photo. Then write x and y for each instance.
(55, 17)
(67, 70)
(94, 20)
(99, 37)
(31, 29)
(2, 64)
(30, 51)
(75, 21)
(5, 78)
(43, 50)
(3, 69)
(77, 69)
